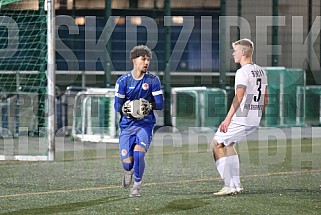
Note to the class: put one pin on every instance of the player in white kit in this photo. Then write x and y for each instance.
(243, 117)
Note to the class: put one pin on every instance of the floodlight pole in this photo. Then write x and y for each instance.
(222, 47)
(167, 75)
(51, 78)
(108, 14)
(275, 60)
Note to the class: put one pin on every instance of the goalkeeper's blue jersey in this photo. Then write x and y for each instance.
(129, 88)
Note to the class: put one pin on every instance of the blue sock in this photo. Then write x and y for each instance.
(139, 165)
(128, 166)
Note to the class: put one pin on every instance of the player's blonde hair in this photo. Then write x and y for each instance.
(246, 45)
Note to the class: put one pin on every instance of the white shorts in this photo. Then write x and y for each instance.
(234, 134)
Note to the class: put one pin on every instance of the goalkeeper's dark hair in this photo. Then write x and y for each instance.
(139, 51)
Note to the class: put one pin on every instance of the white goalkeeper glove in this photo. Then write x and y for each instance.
(137, 109)
(127, 108)
(145, 107)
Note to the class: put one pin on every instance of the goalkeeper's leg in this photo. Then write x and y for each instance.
(126, 155)
(139, 168)
(143, 140)
(128, 174)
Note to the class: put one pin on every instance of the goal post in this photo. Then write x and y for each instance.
(51, 81)
(27, 60)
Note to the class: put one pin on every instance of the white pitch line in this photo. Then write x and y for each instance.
(149, 184)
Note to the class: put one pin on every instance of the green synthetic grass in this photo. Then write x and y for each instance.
(178, 180)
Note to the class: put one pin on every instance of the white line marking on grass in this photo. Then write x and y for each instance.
(151, 184)
(61, 191)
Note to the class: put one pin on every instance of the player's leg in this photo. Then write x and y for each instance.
(127, 176)
(238, 132)
(234, 166)
(219, 154)
(139, 162)
(217, 149)
(126, 142)
(143, 139)
(139, 168)
(227, 161)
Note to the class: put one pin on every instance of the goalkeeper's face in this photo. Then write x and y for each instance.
(141, 63)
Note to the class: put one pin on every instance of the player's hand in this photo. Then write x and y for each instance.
(224, 125)
(126, 108)
(145, 107)
(137, 109)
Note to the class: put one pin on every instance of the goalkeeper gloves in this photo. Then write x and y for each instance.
(137, 109)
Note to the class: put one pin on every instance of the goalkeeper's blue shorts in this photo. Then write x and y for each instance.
(134, 135)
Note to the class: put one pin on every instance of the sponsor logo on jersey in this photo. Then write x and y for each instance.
(253, 107)
(145, 86)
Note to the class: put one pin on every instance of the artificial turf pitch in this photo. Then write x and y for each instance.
(178, 180)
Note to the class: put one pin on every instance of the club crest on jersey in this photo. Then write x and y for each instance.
(145, 86)
(123, 152)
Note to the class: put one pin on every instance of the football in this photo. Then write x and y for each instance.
(137, 109)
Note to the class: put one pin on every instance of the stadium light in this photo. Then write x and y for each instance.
(80, 20)
(136, 20)
(120, 21)
(178, 19)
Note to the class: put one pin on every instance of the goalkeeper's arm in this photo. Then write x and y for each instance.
(118, 103)
(158, 103)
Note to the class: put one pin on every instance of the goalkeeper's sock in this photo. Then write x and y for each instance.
(128, 166)
(137, 184)
(139, 165)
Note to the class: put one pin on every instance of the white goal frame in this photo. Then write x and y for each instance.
(49, 155)
(86, 133)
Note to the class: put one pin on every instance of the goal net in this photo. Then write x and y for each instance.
(23, 82)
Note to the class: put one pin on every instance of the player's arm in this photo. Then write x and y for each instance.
(158, 103)
(119, 96)
(240, 91)
(266, 97)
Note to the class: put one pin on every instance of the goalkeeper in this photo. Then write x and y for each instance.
(137, 94)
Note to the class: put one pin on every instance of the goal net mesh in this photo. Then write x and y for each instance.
(23, 80)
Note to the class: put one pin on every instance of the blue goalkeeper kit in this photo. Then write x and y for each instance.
(129, 88)
(137, 131)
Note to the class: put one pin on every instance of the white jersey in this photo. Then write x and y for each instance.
(253, 78)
